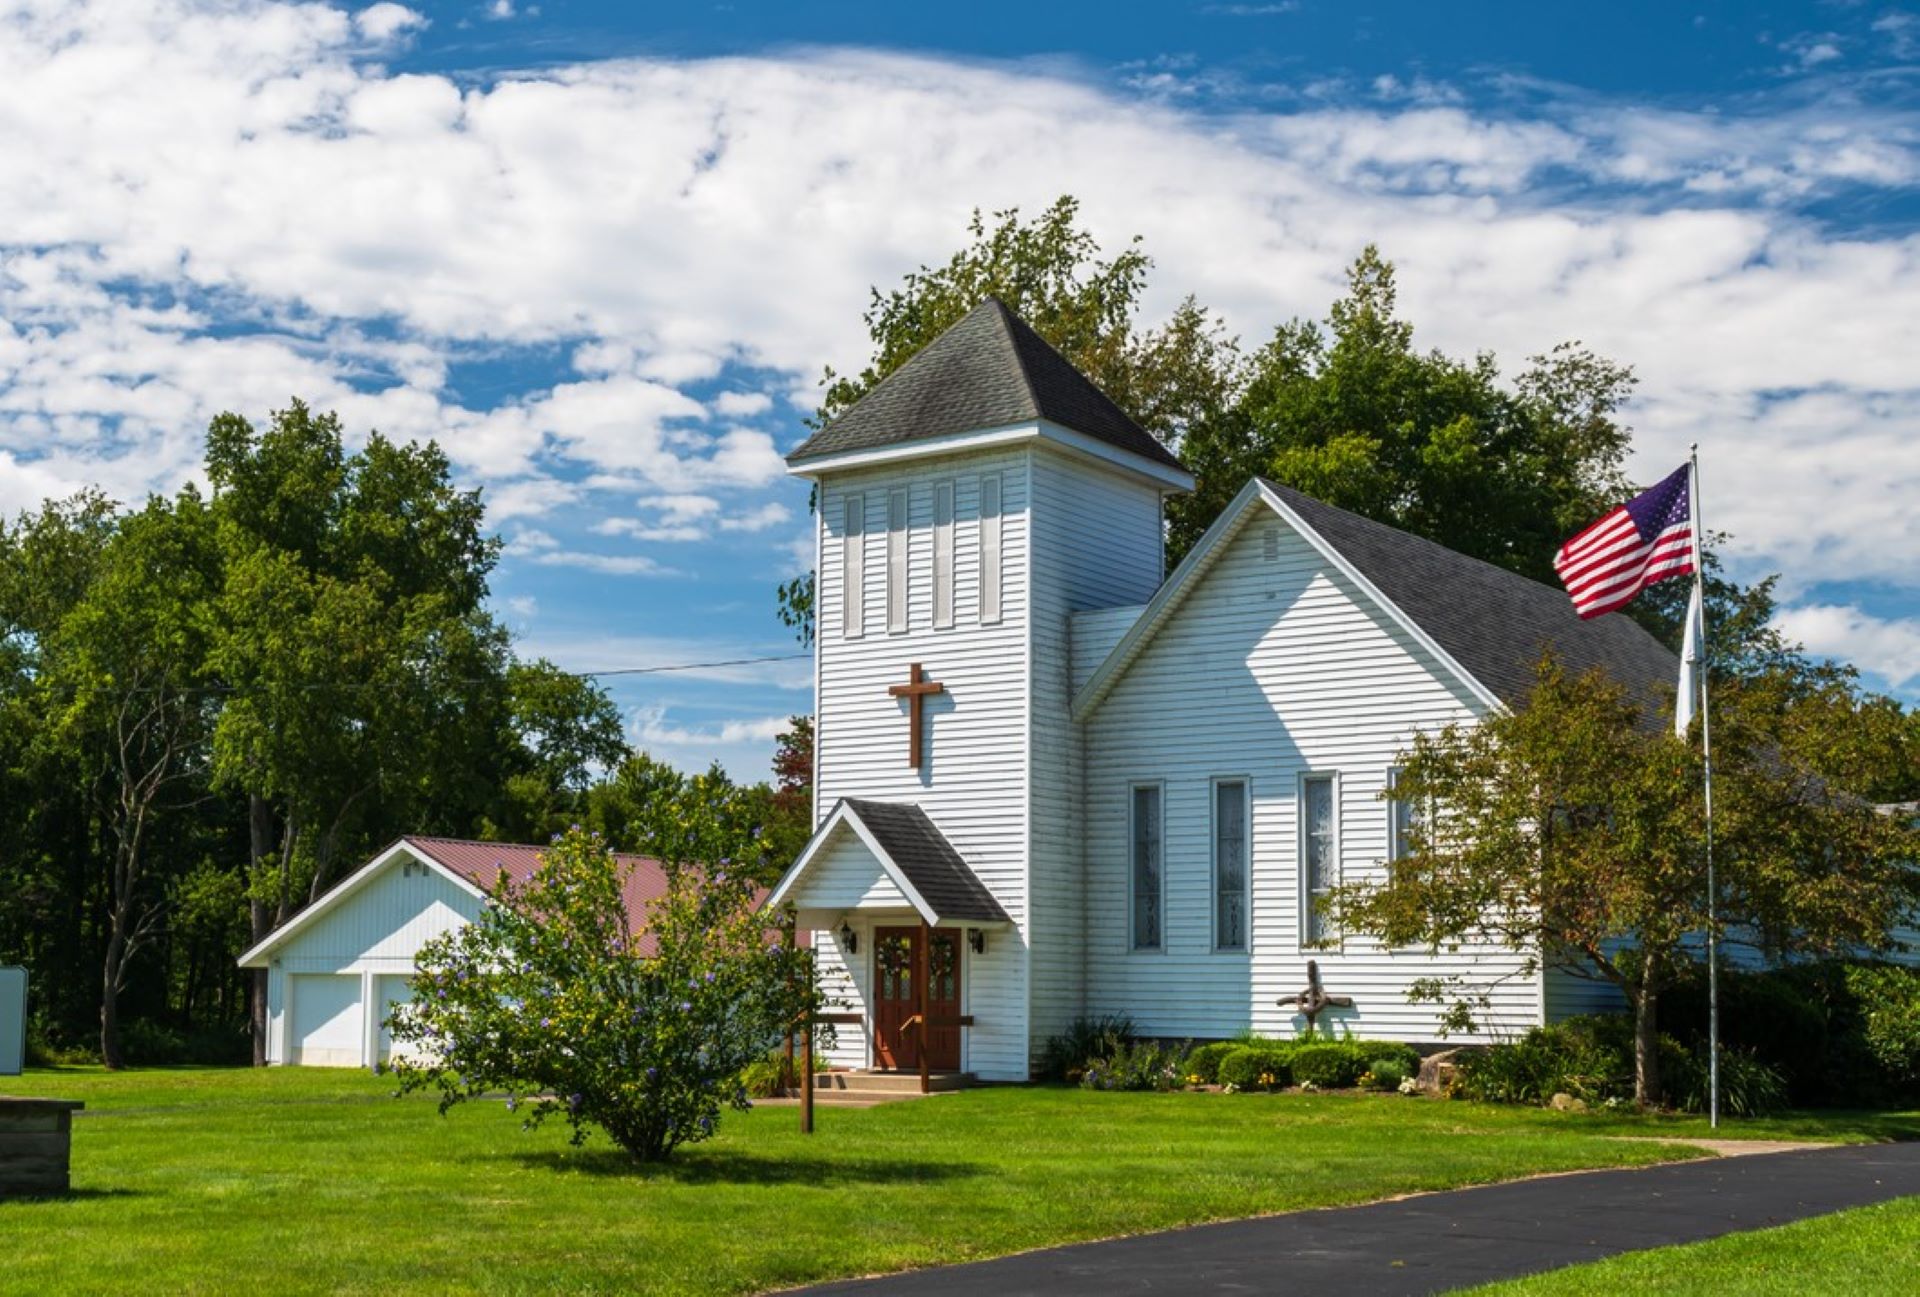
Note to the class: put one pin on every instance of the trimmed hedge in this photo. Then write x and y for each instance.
(1204, 1062)
(1245, 1065)
(1331, 1066)
(1328, 1064)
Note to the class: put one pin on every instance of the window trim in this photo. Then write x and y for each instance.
(992, 575)
(899, 531)
(853, 565)
(944, 497)
(1309, 939)
(1246, 864)
(1159, 787)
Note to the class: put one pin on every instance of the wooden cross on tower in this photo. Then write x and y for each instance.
(915, 691)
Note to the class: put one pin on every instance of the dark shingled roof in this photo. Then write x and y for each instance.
(1493, 622)
(987, 371)
(928, 860)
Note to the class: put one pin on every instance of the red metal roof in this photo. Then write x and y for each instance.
(481, 863)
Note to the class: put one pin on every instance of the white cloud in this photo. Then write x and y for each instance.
(608, 564)
(1887, 648)
(770, 514)
(384, 21)
(173, 170)
(742, 405)
(744, 746)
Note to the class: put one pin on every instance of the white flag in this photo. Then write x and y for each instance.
(1687, 701)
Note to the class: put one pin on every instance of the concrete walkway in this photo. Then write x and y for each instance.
(1437, 1242)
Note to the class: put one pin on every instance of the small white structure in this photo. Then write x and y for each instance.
(336, 969)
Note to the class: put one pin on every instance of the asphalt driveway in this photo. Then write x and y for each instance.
(1442, 1241)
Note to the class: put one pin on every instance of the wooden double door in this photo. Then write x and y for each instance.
(897, 968)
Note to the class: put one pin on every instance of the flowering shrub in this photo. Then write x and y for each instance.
(1146, 1065)
(548, 998)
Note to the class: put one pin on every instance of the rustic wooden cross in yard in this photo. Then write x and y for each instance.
(915, 691)
(1312, 1001)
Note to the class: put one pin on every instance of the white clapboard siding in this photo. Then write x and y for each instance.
(1094, 635)
(383, 922)
(1097, 543)
(972, 781)
(372, 933)
(1275, 666)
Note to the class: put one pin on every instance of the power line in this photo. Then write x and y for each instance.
(228, 690)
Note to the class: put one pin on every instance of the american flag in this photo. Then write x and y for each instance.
(1647, 539)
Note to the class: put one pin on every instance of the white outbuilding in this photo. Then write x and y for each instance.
(335, 970)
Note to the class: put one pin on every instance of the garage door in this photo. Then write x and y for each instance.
(393, 990)
(327, 1029)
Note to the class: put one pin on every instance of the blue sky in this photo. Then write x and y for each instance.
(602, 252)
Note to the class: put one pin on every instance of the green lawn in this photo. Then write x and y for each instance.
(1867, 1250)
(297, 1180)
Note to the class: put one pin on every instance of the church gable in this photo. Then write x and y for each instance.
(1258, 726)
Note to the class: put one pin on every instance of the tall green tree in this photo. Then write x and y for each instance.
(1351, 412)
(123, 675)
(1571, 832)
(368, 685)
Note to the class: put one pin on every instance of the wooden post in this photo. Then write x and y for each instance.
(806, 1079)
(922, 1000)
(806, 1062)
(793, 943)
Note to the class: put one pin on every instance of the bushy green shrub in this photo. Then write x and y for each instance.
(1256, 1067)
(1065, 1056)
(1591, 1058)
(1203, 1064)
(1330, 1066)
(1385, 1074)
(549, 998)
(155, 1044)
(1144, 1065)
(1841, 1032)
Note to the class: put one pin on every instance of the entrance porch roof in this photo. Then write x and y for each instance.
(900, 857)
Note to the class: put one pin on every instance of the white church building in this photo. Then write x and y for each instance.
(1053, 780)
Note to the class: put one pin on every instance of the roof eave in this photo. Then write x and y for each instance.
(257, 955)
(1166, 477)
(1201, 557)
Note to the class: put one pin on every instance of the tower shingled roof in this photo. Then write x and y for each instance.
(988, 370)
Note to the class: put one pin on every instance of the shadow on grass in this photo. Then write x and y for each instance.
(722, 1167)
(71, 1195)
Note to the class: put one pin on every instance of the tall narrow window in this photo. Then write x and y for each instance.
(853, 568)
(1320, 853)
(1230, 864)
(942, 555)
(897, 559)
(1144, 851)
(990, 549)
(1400, 817)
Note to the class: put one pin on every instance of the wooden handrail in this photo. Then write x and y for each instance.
(964, 1020)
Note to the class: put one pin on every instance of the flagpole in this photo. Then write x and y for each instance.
(1706, 750)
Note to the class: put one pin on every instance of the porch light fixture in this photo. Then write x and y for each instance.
(849, 938)
(976, 941)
